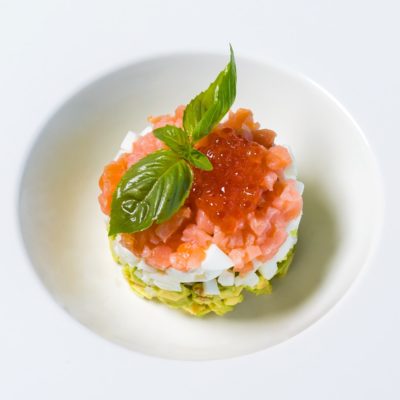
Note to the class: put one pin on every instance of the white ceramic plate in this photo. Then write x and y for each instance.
(65, 237)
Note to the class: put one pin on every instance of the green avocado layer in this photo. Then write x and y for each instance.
(192, 298)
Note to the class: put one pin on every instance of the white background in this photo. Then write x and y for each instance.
(49, 49)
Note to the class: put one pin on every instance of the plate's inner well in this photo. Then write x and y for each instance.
(64, 232)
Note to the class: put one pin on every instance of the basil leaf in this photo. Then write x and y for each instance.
(175, 138)
(210, 106)
(199, 160)
(152, 190)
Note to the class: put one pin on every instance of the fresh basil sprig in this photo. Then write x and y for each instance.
(152, 190)
(175, 138)
(155, 188)
(179, 141)
(210, 106)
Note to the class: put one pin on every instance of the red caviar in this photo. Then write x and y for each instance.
(235, 185)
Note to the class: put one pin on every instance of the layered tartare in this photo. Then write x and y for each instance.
(203, 204)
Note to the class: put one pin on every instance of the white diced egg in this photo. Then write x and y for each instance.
(145, 267)
(300, 187)
(294, 224)
(250, 279)
(227, 278)
(269, 269)
(162, 277)
(129, 139)
(180, 275)
(143, 276)
(171, 286)
(126, 145)
(211, 287)
(208, 275)
(146, 130)
(290, 171)
(216, 259)
(120, 152)
(285, 248)
(197, 275)
(124, 254)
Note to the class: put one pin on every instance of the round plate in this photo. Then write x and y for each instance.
(65, 236)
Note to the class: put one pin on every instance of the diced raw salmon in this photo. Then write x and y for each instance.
(265, 137)
(258, 225)
(160, 257)
(144, 146)
(269, 180)
(109, 180)
(192, 233)
(242, 116)
(204, 223)
(290, 202)
(272, 243)
(187, 257)
(165, 230)
(252, 252)
(238, 257)
(250, 239)
(278, 158)
(163, 120)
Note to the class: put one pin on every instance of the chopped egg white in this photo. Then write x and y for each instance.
(291, 171)
(227, 278)
(145, 267)
(300, 187)
(269, 269)
(129, 139)
(146, 130)
(211, 287)
(285, 248)
(171, 286)
(216, 259)
(250, 279)
(294, 224)
(196, 275)
(126, 144)
(143, 277)
(180, 276)
(217, 266)
(123, 253)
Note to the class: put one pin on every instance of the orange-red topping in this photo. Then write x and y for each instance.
(243, 205)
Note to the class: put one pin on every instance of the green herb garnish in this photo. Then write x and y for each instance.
(152, 190)
(210, 106)
(155, 188)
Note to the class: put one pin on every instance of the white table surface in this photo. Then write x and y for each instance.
(49, 49)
